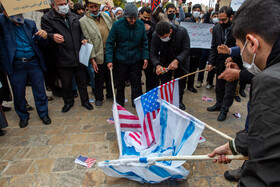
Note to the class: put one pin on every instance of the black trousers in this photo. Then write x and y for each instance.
(151, 77)
(166, 77)
(225, 91)
(102, 75)
(194, 62)
(133, 72)
(66, 74)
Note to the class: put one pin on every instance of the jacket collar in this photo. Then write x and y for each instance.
(274, 56)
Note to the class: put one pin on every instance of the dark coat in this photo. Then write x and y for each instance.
(65, 54)
(262, 142)
(8, 43)
(131, 42)
(216, 59)
(163, 53)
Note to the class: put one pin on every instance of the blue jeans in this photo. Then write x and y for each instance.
(31, 70)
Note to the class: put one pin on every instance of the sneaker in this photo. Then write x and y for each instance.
(233, 175)
(209, 86)
(198, 84)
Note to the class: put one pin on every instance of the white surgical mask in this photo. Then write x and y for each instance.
(165, 39)
(196, 14)
(216, 20)
(64, 9)
(252, 68)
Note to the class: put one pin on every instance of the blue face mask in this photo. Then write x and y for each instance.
(95, 16)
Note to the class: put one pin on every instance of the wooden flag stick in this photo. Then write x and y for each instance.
(112, 82)
(184, 76)
(218, 132)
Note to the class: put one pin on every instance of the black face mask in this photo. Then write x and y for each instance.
(171, 16)
(226, 25)
(147, 22)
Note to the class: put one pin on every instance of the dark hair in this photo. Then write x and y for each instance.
(145, 9)
(227, 10)
(214, 13)
(197, 6)
(259, 17)
(170, 5)
(87, 2)
(163, 27)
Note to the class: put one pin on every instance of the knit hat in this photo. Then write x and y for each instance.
(130, 10)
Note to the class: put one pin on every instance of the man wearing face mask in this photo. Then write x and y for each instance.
(128, 37)
(66, 38)
(169, 14)
(222, 34)
(20, 59)
(260, 50)
(97, 23)
(170, 48)
(145, 17)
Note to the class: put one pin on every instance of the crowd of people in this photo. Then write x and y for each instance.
(244, 50)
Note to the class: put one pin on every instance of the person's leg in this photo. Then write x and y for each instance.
(18, 82)
(74, 87)
(81, 77)
(202, 63)
(230, 88)
(121, 75)
(92, 77)
(242, 89)
(109, 91)
(210, 77)
(150, 77)
(65, 75)
(99, 82)
(220, 91)
(193, 67)
(37, 83)
(135, 78)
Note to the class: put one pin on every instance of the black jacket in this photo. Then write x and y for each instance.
(178, 47)
(218, 38)
(262, 142)
(65, 54)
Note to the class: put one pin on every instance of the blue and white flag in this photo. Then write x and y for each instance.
(176, 134)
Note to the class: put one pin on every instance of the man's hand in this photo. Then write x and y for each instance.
(109, 6)
(147, 27)
(230, 75)
(58, 38)
(223, 49)
(209, 67)
(232, 65)
(94, 65)
(110, 65)
(211, 30)
(145, 64)
(229, 59)
(211, 9)
(190, 4)
(158, 69)
(84, 41)
(173, 65)
(42, 33)
(221, 152)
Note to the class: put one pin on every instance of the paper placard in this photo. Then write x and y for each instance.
(200, 35)
(235, 4)
(102, 2)
(224, 3)
(14, 7)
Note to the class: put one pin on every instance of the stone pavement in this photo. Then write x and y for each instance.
(41, 155)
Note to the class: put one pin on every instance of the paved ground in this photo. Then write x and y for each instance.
(42, 155)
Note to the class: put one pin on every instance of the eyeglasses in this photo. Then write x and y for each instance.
(223, 20)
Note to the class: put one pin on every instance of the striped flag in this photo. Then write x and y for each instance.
(128, 121)
(148, 107)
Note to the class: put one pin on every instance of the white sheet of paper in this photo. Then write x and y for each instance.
(235, 4)
(85, 53)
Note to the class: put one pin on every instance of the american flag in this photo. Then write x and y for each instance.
(128, 121)
(148, 107)
(85, 161)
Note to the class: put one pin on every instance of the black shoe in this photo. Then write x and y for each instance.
(75, 93)
(6, 108)
(88, 106)
(182, 106)
(66, 108)
(23, 123)
(233, 175)
(242, 93)
(222, 116)
(237, 99)
(192, 90)
(2, 132)
(46, 120)
(214, 108)
(98, 103)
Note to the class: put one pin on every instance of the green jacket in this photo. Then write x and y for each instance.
(130, 42)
